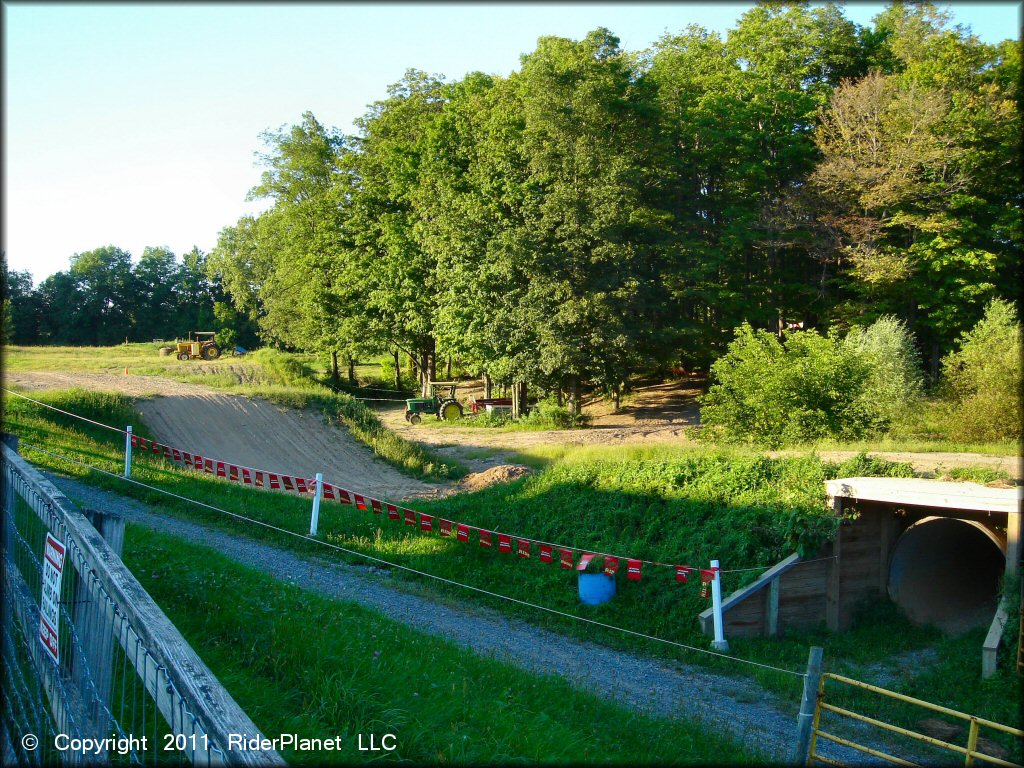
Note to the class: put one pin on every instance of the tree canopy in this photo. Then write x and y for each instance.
(599, 212)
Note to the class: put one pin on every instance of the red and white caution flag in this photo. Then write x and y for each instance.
(565, 558)
(584, 561)
(545, 553)
(524, 548)
(377, 506)
(426, 522)
(485, 538)
(462, 532)
(233, 473)
(633, 569)
(246, 476)
(328, 491)
(707, 575)
(343, 496)
(504, 543)
(410, 517)
(392, 512)
(288, 482)
(682, 572)
(221, 469)
(611, 565)
(360, 501)
(444, 527)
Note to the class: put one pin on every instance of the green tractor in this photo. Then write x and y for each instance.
(441, 403)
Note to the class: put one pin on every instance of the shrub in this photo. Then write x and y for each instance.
(895, 382)
(982, 378)
(387, 376)
(805, 387)
(548, 414)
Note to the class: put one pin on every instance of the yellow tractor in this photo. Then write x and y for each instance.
(200, 345)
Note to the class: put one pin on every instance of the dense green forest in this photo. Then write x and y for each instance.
(602, 212)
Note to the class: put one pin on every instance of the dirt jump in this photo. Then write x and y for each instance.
(246, 431)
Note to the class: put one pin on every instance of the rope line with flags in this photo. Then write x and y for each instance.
(408, 569)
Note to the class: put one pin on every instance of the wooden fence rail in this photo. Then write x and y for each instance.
(109, 612)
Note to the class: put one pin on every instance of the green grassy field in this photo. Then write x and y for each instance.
(653, 503)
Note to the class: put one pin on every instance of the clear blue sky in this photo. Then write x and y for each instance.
(135, 125)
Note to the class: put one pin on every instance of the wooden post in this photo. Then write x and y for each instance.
(97, 640)
(315, 519)
(808, 705)
(772, 620)
(9, 500)
(832, 587)
(1013, 531)
(128, 453)
(719, 643)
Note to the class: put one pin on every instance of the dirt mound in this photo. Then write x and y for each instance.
(503, 473)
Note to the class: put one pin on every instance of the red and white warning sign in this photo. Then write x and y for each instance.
(49, 603)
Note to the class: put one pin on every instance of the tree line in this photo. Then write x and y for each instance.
(600, 212)
(104, 299)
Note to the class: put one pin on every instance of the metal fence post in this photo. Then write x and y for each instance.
(808, 703)
(719, 643)
(128, 453)
(316, 503)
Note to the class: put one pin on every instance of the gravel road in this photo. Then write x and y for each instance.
(750, 714)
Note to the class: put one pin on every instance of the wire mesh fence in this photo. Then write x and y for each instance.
(92, 669)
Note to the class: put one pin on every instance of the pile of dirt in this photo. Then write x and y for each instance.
(503, 473)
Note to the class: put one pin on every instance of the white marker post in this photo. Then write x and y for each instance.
(719, 643)
(128, 453)
(316, 503)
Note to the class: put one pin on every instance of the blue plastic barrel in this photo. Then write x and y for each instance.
(596, 588)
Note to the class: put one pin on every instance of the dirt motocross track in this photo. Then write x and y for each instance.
(249, 432)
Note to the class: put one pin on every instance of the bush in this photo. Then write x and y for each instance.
(982, 379)
(387, 376)
(805, 387)
(548, 414)
(895, 383)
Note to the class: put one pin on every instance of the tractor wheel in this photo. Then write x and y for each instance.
(183, 356)
(211, 352)
(451, 410)
(407, 415)
(415, 418)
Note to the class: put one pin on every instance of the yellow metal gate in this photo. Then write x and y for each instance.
(971, 752)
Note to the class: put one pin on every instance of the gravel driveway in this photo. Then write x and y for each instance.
(750, 714)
